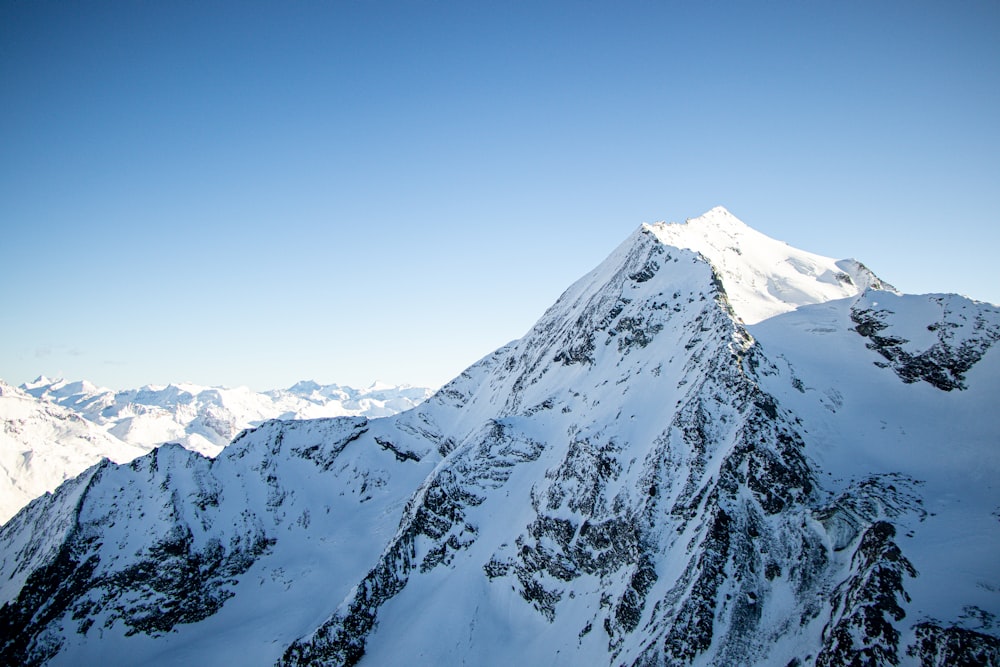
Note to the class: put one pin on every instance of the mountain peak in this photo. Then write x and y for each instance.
(718, 216)
(638, 480)
(305, 387)
(763, 277)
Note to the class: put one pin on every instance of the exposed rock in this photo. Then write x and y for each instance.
(637, 481)
(961, 341)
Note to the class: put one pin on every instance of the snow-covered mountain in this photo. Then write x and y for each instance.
(713, 449)
(206, 419)
(56, 429)
(43, 444)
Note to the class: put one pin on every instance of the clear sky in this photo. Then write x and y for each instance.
(254, 193)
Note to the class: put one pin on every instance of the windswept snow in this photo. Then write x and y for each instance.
(713, 449)
(764, 277)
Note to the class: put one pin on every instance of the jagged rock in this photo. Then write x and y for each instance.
(953, 647)
(689, 459)
(961, 338)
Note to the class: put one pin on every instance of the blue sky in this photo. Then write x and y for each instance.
(253, 193)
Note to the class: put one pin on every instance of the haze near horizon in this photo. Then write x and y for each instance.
(259, 193)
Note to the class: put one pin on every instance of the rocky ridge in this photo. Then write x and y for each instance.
(653, 475)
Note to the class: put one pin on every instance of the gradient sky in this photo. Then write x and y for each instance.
(254, 193)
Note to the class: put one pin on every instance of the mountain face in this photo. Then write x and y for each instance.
(713, 449)
(54, 429)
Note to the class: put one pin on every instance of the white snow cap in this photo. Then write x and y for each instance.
(764, 277)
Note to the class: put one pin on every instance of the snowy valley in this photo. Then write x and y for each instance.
(713, 449)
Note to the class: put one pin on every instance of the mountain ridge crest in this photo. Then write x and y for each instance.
(649, 476)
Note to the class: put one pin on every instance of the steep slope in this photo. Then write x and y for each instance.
(764, 277)
(645, 478)
(42, 445)
(900, 413)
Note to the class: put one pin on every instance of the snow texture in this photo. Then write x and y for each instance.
(713, 449)
(55, 429)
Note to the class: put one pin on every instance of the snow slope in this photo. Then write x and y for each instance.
(56, 429)
(764, 277)
(670, 468)
(866, 419)
(43, 444)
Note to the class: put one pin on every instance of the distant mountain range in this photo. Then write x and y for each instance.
(713, 450)
(55, 429)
